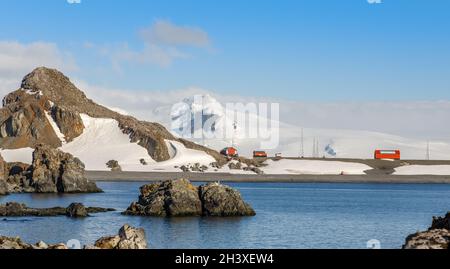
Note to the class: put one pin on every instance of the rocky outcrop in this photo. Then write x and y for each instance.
(69, 122)
(74, 210)
(197, 167)
(177, 198)
(55, 171)
(221, 201)
(24, 121)
(437, 236)
(432, 239)
(235, 165)
(114, 166)
(3, 186)
(128, 238)
(441, 222)
(48, 94)
(52, 171)
(174, 198)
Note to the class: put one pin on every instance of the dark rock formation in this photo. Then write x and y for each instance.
(175, 198)
(69, 122)
(75, 210)
(3, 186)
(56, 171)
(128, 238)
(437, 236)
(441, 222)
(235, 165)
(222, 201)
(114, 166)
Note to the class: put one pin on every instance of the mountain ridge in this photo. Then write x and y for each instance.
(47, 94)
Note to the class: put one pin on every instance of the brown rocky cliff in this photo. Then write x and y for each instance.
(23, 122)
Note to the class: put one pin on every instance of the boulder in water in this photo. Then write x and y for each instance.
(177, 198)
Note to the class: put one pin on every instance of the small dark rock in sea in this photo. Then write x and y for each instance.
(222, 201)
(74, 210)
(177, 198)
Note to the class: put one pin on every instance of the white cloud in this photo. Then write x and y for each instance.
(17, 59)
(420, 119)
(151, 54)
(162, 44)
(166, 33)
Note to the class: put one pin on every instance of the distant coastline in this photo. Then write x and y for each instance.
(208, 177)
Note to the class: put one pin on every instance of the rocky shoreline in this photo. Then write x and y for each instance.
(180, 198)
(75, 210)
(436, 237)
(127, 238)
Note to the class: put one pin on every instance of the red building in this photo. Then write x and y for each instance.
(259, 154)
(230, 152)
(387, 154)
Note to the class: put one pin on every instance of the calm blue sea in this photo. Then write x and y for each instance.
(288, 216)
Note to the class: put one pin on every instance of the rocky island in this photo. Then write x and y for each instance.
(178, 198)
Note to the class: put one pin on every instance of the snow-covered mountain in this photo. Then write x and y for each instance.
(294, 141)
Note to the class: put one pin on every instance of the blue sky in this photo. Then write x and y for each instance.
(328, 50)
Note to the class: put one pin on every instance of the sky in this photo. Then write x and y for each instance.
(313, 52)
(304, 50)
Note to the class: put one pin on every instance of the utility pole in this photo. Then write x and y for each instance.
(314, 148)
(317, 148)
(302, 150)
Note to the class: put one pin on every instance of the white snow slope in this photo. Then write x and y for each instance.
(307, 167)
(438, 170)
(102, 141)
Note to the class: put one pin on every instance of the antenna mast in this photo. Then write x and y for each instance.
(302, 150)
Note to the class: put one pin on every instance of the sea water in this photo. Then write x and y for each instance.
(289, 215)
